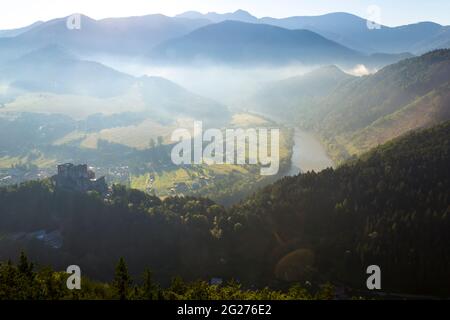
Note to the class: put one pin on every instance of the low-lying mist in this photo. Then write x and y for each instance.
(223, 83)
(229, 85)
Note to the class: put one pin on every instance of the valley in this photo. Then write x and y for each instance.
(352, 115)
(142, 147)
(139, 159)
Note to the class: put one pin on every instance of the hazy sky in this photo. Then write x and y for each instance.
(16, 13)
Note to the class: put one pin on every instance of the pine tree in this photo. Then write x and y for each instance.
(178, 286)
(149, 286)
(24, 267)
(122, 280)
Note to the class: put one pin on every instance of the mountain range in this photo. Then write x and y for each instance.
(242, 43)
(247, 43)
(114, 36)
(352, 31)
(15, 32)
(138, 36)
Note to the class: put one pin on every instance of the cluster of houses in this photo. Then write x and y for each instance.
(18, 174)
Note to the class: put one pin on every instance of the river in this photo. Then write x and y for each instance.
(308, 154)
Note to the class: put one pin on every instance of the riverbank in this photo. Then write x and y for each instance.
(308, 152)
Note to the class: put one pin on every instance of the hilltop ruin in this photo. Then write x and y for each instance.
(79, 178)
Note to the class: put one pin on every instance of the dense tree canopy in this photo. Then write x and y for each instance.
(391, 207)
(23, 282)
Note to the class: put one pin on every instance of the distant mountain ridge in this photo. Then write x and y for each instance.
(235, 42)
(15, 32)
(126, 35)
(55, 71)
(114, 36)
(352, 31)
(136, 36)
(238, 15)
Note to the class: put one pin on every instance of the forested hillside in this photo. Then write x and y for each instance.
(173, 237)
(369, 111)
(355, 114)
(391, 208)
(297, 95)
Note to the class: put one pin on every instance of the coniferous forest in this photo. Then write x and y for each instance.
(23, 282)
(390, 207)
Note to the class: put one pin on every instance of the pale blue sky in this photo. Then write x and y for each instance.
(16, 13)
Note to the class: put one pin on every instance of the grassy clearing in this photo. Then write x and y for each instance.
(248, 120)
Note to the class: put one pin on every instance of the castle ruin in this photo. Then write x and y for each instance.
(79, 178)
